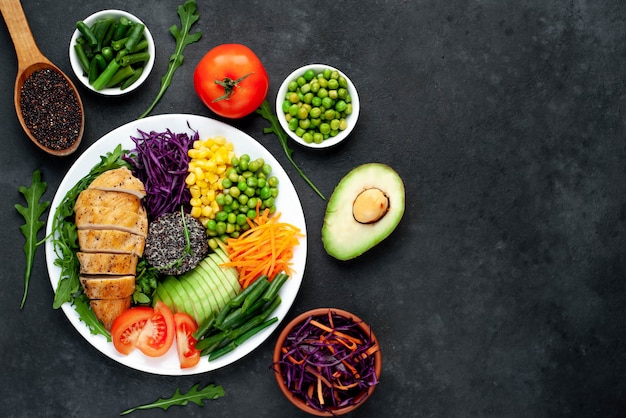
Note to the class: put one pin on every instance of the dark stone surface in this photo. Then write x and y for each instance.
(502, 292)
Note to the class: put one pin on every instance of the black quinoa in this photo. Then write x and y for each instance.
(166, 243)
(50, 109)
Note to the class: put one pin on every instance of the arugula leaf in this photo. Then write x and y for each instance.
(188, 16)
(86, 314)
(33, 224)
(266, 112)
(195, 395)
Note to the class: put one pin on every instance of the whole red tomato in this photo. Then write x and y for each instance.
(231, 80)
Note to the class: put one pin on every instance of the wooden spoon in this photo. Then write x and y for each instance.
(29, 60)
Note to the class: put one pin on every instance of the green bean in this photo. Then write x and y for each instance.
(121, 28)
(134, 58)
(100, 61)
(222, 351)
(241, 339)
(254, 295)
(119, 44)
(131, 80)
(120, 76)
(99, 30)
(214, 340)
(274, 287)
(204, 328)
(237, 301)
(107, 53)
(106, 75)
(87, 33)
(221, 315)
(82, 57)
(94, 71)
(135, 35)
(141, 45)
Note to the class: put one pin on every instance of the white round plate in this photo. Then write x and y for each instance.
(288, 204)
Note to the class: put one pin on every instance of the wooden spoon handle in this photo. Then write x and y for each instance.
(23, 40)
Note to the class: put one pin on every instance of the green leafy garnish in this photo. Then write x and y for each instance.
(189, 15)
(266, 112)
(195, 395)
(146, 282)
(81, 304)
(63, 232)
(31, 213)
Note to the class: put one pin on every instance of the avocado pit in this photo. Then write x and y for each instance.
(370, 205)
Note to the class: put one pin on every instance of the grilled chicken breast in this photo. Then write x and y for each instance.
(119, 180)
(110, 240)
(105, 217)
(108, 287)
(112, 227)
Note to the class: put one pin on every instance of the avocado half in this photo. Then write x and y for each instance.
(364, 209)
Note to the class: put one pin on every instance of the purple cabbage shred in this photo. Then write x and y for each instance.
(160, 161)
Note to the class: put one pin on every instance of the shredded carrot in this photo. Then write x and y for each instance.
(338, 333)
(266, 248)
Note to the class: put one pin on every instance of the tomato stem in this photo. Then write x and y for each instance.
(229, 86)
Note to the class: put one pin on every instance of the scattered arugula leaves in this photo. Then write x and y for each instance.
(189, 15)
(266, 112)
(195, 395)
(31, 213)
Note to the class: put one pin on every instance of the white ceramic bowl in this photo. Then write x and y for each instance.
(350, 119)
(78, 69)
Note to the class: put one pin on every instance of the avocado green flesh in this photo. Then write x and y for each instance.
(202, 291)
(344, 238)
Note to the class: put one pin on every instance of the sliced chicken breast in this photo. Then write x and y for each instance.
(108, 287)
(110, 240)
(120, 180)
(107, 263)
(103, 217)
(96, 197)
(107, 310)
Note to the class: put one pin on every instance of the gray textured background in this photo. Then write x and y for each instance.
(501, 294)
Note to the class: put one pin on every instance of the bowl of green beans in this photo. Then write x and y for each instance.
(317, 105)
(111, 52)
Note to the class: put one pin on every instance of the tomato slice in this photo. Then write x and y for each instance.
(127, 327)
(185, 342)
(157, 335)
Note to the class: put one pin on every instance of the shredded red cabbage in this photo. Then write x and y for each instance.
(324, 368)
(160, 160)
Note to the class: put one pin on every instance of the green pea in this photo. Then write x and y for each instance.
(316, 102)
(301, 81)
(292, 86)
(226, 183)
(304, 124)
(322, 93)
(241, 219)
(309, 74)
(340, 106)
(307, 137)
(251, 213)
(334, 125)
(329, 114)
(318, 137)
(243, 199)
(293, 97)
(234, 191)
(324, 128)
(272, 181)
(221, 216)
(327, 73)
(327, 102)
(232, 218)
(343, 82)
(333, 84)
(210, 225)
(219, 199)
(220, 228)
(305, 88)
(293, 109)
(267, 169)
(293, 124)
(286, 104)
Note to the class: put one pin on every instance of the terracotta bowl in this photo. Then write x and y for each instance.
(300, 402)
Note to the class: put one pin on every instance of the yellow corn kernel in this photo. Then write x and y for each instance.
(195, 190)
(196, 201)
(190, 179)
(207, 211)
(196, 211)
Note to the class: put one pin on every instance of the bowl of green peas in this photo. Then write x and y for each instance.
(111, 52)
(317, 105)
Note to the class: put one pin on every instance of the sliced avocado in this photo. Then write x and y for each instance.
(229, 279)
(178, 297)
(364, 209)
(198, 306)
(224, 295)
(204, 287)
